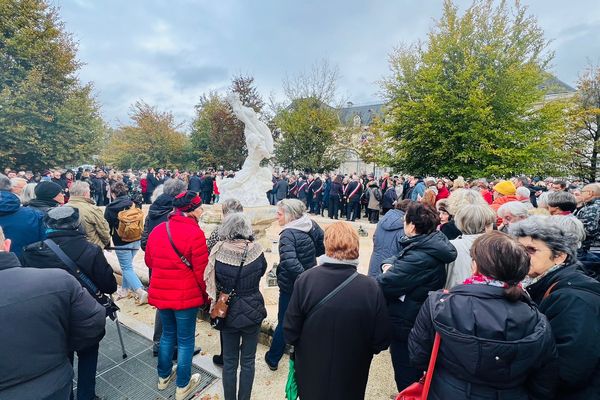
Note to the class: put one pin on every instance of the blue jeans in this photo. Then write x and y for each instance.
(244, 355)
(278, 344)
(125, 255)
(179, 327)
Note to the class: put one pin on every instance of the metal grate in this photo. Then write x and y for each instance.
(135, 377)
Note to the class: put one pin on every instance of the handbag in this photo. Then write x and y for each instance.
(219, 312)
(109, 305)
(291, 386)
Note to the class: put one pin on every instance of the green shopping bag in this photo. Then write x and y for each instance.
(291, 386)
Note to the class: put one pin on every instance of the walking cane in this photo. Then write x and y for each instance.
(119, 332)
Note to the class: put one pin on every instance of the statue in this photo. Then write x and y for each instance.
(250, 184)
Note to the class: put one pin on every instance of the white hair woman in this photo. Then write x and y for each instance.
(569, 298)
(300, 243)
(237, 264)
(511, 212)
(473, 220)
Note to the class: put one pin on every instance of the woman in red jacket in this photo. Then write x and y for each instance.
(177, 289)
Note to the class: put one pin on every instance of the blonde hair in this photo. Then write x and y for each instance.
(538, 211)
(341, 241)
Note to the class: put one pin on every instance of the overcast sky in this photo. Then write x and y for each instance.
(170, 52)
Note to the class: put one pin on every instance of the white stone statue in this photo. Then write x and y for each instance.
(251, 183)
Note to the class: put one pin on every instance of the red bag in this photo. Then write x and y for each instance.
(420, 390)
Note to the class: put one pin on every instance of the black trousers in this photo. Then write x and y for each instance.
(334, 205)
(87, 362)
(404, 373)
(353, 210)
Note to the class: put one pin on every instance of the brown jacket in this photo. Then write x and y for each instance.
(92, 219)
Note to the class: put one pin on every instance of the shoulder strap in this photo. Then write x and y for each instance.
(181, 256)
(237, 278)
(332, 294)
(72, 267)
(432, 360)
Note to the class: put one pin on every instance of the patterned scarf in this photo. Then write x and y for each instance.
(479, 279)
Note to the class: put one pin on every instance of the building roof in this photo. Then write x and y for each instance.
(366, 113)
(553, 85)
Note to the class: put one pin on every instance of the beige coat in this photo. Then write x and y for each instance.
(92, 219)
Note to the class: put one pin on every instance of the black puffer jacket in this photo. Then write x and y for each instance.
(573, 309)
(298, 251)
(491, 348)
(88, 256)
(157, 214)
(418, 269)
(247, 308)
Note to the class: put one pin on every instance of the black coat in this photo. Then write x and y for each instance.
(336, 191)
(157, 213)
(351, 189)
(194, 184)
(490, 346)
(573, 309)
(335, 346)
(281, 189)
(418, 269)
(43, 206)
(45, 314)
(389, 197)
(298, 251)
(450, 230)
(153, 182)
(111, 214)
(88, 257)
(247, 308)
(206, 185)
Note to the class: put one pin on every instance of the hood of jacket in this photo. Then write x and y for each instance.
(435, 244)
(162, 206)
(487, 338)
(120, 203)
(9, 203)
(43, 204)
(393, 220)
(304, 224)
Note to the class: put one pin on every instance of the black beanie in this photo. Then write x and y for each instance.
(47, 190)
(64, 217)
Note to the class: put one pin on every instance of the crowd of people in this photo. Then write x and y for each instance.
(505, 273)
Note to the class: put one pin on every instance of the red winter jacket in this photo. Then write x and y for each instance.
(174, 286)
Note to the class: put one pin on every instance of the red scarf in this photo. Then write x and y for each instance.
(479, 279)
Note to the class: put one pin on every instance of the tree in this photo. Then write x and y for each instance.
(584, 119)
(217, 135)
(319, 83)
(468, 101)
(307, 138)
(47, 117)
(153, 141)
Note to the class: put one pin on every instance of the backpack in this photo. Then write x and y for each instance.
(131, 224)
(377, 194)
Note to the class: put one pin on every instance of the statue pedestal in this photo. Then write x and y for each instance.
(261, 217)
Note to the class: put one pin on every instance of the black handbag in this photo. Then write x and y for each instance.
(221, 308)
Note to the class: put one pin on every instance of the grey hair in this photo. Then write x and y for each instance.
(542, 201)
(235, 226)
(15, 181)
(173, 187)
(522, 191)
(515, 208)
(28, 193)
(2, 238)
(292, 209)
(462, 197)
(571, 223)
(473, 219)
(558, 238)
(79, 188)
(563, 200)
(232, 206)
(4, 183)
(157, 192)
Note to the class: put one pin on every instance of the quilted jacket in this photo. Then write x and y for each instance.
(174, 286)
(247, 307)
(589, 215)
(298, 251)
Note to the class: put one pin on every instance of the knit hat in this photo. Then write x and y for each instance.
(506, 188)
(187, 201)
(47, 190)
(65, 217)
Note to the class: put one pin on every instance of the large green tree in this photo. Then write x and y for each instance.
(154, 140)
(468, 100)
(47, 117)
(217, 135)
(307, 140)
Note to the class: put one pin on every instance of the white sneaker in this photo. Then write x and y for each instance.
(184, 392)
(122, 293)
(141, 297)
(164, 382)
